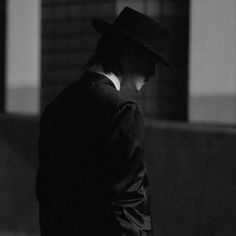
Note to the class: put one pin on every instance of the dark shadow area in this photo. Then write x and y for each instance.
(18, 164)
(191, 170)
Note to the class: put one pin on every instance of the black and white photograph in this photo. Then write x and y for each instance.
(118, 118)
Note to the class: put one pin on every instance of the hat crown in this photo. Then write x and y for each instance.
(139, 27)
(142, 28)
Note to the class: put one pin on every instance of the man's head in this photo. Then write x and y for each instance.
(138, 65)
(130, 47)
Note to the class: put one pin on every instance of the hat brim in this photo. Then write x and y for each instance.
(104, 27)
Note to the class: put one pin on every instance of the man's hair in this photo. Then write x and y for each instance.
(109, 52)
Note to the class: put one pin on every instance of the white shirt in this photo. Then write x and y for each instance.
(113, 78)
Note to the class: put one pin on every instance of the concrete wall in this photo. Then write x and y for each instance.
(23, 56)
(18, 163)
(68, 41)
(212, 61)
(191, 170)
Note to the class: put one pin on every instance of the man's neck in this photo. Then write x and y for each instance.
(111, 76)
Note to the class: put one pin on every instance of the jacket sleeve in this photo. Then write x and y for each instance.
(129, 182)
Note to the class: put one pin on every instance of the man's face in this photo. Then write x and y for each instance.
(138, 70)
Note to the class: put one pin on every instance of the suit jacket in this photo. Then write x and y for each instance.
(92, 178)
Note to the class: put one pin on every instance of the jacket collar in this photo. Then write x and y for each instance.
(95, 77)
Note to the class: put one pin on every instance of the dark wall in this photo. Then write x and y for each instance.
(192, 172)
(191, 168)
(18, 163)
(172, 93)
(166, 96)
(68, 40)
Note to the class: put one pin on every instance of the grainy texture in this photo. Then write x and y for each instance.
(191, 169)
(192, 172)
(68, 40)
(172, 85)
(2, 52)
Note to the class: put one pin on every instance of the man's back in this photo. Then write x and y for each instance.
(80, 151)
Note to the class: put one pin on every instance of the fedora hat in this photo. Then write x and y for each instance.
(144, 30)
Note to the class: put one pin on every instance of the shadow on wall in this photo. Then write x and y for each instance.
(191, 169)
(18, 162)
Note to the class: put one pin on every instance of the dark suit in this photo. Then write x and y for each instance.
(92, 177)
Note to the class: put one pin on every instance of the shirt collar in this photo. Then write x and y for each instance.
(113, 78)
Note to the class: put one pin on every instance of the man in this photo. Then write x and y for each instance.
(92, 178)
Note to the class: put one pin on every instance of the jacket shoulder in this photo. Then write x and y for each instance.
(104, 95)
(112, 99)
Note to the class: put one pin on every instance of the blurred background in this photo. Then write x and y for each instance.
(47, 43)
(190, 110)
